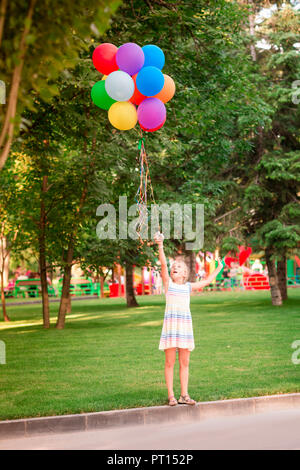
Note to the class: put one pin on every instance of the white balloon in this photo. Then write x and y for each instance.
(119, 86)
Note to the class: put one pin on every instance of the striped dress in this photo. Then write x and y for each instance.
(177, 331)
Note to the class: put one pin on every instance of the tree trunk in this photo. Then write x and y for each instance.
(150, 280)
(42, 260)
(190, 260)
(282, 277)
(273, 280)
(2, 18)
(143, 281)
(5, 316)
(130, 297)
(119, 281)
(102, 287)
(3, 254)
(65, 301)
(65, 306)
(6, 269)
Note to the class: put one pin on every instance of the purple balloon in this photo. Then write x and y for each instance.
(151, 113)
(130, 58)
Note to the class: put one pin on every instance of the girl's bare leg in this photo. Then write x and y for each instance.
(184, 359)
(169, 369)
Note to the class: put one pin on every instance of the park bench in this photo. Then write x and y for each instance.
(78, 287)
(293, 281)
(31, 288)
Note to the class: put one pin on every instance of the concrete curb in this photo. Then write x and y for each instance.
(142, 416)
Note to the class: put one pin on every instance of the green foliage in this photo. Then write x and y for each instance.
(230, 244)
(57, 34)
(271, 178)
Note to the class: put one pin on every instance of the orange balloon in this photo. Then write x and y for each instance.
(168, 91)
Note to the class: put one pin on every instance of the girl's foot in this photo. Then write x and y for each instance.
(186, 400)
(172, 401)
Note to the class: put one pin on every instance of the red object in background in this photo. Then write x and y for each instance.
(239, 257)
(228, 260)
(206, 267)
(297, 260)
(244, 254)
(139, 289)
(256, 281)
(114, 290)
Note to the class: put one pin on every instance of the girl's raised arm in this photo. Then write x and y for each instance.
(159, 239)
(209, 279)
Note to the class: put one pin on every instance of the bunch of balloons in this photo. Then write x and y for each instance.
(133, 88)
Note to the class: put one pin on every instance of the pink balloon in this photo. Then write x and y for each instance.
(130, 58)
(151, 113)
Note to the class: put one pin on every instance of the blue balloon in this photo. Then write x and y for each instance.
(150, 81)
(154, 56)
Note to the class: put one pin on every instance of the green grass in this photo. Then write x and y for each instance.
(107, 356)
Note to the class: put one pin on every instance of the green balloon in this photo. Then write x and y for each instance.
(99, 96)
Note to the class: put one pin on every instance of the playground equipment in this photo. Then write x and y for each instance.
(256, 281)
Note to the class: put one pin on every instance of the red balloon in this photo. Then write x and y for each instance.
(137, 96)
(104, 58)
(154, 129)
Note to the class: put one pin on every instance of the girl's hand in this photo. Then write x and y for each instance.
(159, 238)
(220, 264)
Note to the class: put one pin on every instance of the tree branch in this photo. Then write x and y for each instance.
(7, 132)
(2, 18)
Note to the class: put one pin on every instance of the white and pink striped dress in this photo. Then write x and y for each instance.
(177, 331)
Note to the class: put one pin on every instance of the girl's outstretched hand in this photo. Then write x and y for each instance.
(159, 238)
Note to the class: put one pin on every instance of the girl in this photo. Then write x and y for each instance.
(177, 331)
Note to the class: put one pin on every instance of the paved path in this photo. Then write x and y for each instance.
(271, 430)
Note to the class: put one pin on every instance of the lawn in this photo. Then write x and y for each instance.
(107, 356)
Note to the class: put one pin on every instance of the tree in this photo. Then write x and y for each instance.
(38, 40)
(12, 232)
(273, 186)
(215, 108)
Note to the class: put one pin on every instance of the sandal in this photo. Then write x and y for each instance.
(172, 401)
(186, 400)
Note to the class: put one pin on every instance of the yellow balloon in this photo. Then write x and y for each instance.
(122, 115)
(104, 77)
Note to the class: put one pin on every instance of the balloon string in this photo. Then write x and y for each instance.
(142, 192)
